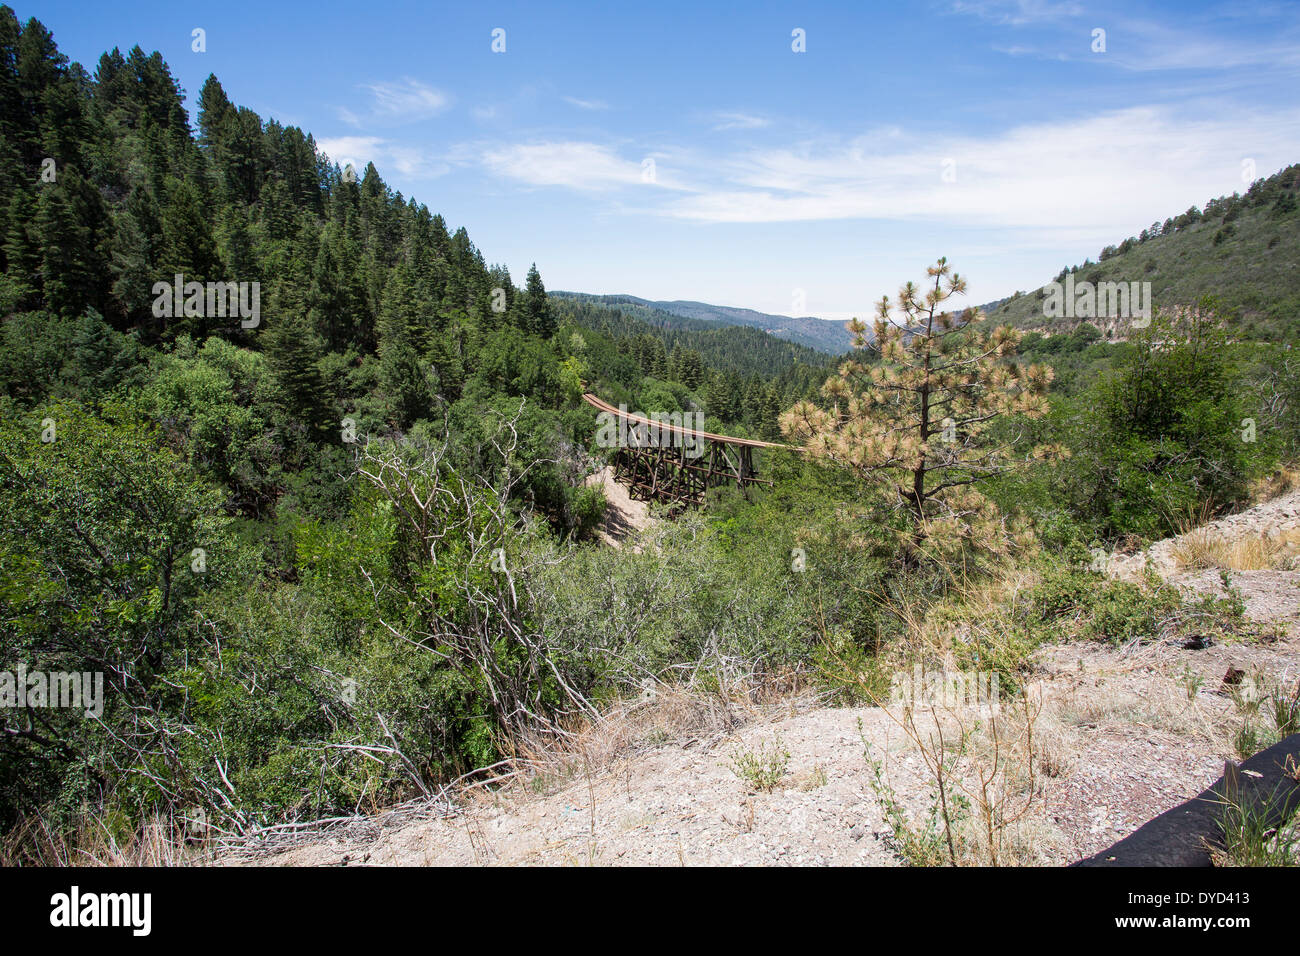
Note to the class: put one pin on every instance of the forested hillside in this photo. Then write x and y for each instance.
(737, 374)
(1243, 248)
(735, 348)
(820, 335)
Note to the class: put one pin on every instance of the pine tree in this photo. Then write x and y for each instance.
(721, 397)
(768, 421)
(275, 210)
(330, 306)
(187, 243)
(235, 246)
(22, 253)
(686, 365)
(14, 118)
(134, 262)
(70, 263)
(921, 419)
(445, 361)
(658, 360)
(406, 384)
(296, 386)
(538, 316)
(215, 110)
(404, 318)
(39, 69)
(243, 169)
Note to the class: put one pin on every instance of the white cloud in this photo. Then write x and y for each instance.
(1207, 42)
(1150, 46)
(1032, 52)
(725, 121)
(407, 101)
(586, 104)
(1089, 174)
(1018, 12)
(577, 165)
(356, 150)
(385, 154)
(1079, 181)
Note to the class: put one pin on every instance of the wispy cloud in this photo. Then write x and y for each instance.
(725, 121)
(1091, 174)
(1144, 45)
(576, 165)
(1085, 177)
(1019, 12)
(407, 101)
(586, 104)
(522, 105)
(1032, 52)
(1201, 41)
(385, 154)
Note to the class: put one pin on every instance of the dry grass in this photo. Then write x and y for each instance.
(162, 841)
(1059, 746)
(664, 714)
(1161, 706)
(988, 774)
(978, 608)
(1203, 548)
(1285, 478)
(986, 786)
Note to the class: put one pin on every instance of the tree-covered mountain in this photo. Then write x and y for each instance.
(822, 335)
(731, 348)
(1243, 248)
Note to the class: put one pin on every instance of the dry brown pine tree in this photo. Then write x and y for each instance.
(921, 416)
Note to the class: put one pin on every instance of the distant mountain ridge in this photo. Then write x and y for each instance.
(824, 335)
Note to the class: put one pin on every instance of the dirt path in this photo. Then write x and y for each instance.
(624, 516)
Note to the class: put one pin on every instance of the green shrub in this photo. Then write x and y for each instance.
(763, 768)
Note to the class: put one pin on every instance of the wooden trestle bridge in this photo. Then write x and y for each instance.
(676, 464)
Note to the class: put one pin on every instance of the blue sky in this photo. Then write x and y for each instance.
(685, 150)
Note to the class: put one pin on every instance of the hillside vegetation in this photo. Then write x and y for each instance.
(822, 335)
(1243, 248)
(335, 550)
